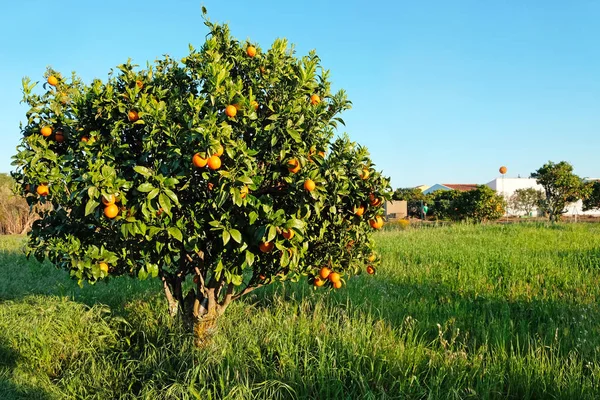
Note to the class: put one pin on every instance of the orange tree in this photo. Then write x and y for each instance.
(222, 169)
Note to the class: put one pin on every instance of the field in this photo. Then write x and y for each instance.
(454, 312)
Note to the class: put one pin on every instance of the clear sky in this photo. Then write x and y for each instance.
(443, 91)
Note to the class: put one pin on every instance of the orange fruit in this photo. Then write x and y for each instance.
(46, 131)
(374, 201)
(309, 185)
(159, 212)
(315, 99)
(59, 137)
(230, 111)
(293, 166)
(210, 185)
(334, 277)
(214, 162)
(104, 267)
(43, 190)
(84, 139)
(244, 192)
(322, 154)
(139, 84)
(376, 223)
(133, 116)
(262, 277)
(251, 51)
(288, 233)
(365, 173)
(266, 247)
(337, 284)
(319, 282)
(111, 211)
(254, 104)
(370, 270)
(198, 161)
(359, 211)
(52, 80)
(372, 257)
(324, 272)
(109, 199)
(220, 151)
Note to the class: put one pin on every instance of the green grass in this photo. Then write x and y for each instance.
(454, 312)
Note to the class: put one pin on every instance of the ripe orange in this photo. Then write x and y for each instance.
(337, 284)
(109, 199)
(293, 166)
(319, 282)
(324, 272)
(111, 211)
(266, 247)
(288, 233)
(214, 162)
(370, 270)
(374, 201)
(254, 104)
(262, 277)
(334, 277)
(139, 84)
(251, 51)
(230, 111)
(104, 267)
(372, 257)
(52, 80)
(315, 99)
(220, 151)
(309, 185)
(133, 116)
(359, 211)
(46, 131)
(244, 192)
(43, 190)
(198, 161)
(322, 154)
(376, 223)
(59, 137)
(365, 173)
(84, 139)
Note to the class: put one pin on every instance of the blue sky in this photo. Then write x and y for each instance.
(443, 91)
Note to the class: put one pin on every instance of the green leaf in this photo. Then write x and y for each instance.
(142, 170)
(145, 187)
(142, 274)
(249, 257)
(153, 194)
(245, 180)
(226, 237)
(237, 280)
(252, 217)
(172, 196)
(153, 270)
(294, 135)
(93, 192)
(272, 233)
(165, 203)
(91, 206)
(295, 223)
(175, 233)
(236, 235)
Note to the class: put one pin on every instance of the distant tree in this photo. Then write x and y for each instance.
(414, 198)
(592, 200)
(479, 205)
(525, 200)
(443, 204)
(561, 187)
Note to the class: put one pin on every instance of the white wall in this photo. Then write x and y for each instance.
(507, 186)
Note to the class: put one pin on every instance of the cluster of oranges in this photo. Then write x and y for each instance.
(111, 210)
(213, 162)
(326, 274)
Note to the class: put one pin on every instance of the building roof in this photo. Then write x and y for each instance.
(462, 187)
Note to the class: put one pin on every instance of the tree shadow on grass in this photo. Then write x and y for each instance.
(10, 390)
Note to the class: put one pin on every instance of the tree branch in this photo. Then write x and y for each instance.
(247, 290)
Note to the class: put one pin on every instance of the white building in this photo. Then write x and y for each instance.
(507, 187)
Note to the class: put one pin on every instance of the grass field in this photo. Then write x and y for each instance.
(454, 312)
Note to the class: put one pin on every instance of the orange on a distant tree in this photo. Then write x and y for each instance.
(315, 99)
(108, 199)
(293, 165)
(254, 104)
(103, 267)
(43, 190)
(220, 151)
(372, 257)
(288, 233)
(46, 131)
(59, 136)
(85, 139)
(111, 211)
(52, 80)
(133, 115)
(309, 185)
(139, 84)
(251, 51)
(324, 272)
(370, 270)
(337, 284)
(503, 170)
(214, 162)
(230, 111)
(199, 161)
(376, 223)
(359, 211)
(266, 247)
(334, 277)
(319, 282)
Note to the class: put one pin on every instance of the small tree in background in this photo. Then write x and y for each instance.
(592, 199)
(414, 197)
(525, 200)
(561, 187)
(443, 204)
(222, 170)
(479, 205)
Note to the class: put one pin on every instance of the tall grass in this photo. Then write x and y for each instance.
(454, 312)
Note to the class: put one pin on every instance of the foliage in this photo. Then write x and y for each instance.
(464, 311)
(477, 205)
(414, 198)
(15, 214)
(561, 185)
(211, 164)
(524, 201)
(592, 200)
(443, 206)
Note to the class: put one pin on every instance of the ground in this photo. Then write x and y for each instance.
(492, 311)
